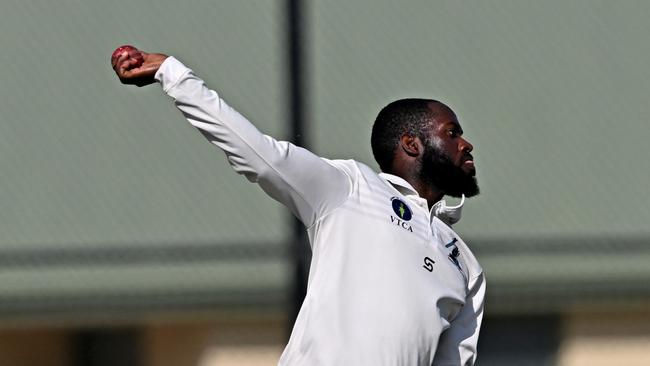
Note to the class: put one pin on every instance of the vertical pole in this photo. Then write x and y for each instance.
(297, 95)
(106, 347)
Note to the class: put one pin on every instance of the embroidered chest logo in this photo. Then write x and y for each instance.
(455, 253)
(403, 214)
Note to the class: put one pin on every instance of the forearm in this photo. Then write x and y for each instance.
(245, 146)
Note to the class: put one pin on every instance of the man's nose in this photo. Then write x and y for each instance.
(466, 146)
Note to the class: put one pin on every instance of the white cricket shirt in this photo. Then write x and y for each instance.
(390, 283)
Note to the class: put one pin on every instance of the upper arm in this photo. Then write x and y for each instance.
(306, 183)
(294, 176)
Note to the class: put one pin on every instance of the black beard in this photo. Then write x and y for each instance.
(438, 170)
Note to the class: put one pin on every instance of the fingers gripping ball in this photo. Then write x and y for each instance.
(134, 55)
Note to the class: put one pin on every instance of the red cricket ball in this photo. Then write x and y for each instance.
(128, 48)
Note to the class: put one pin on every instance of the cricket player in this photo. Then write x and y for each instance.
(390, 282)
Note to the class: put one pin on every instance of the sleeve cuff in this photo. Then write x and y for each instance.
(170, 72)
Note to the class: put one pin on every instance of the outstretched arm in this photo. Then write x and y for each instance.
(309, 185)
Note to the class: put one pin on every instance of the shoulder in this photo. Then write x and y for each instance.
(347, 165)
(354, 169)
(361, 177)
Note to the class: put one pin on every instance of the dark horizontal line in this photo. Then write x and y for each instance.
(507, 298)
(559, 245)
(206, 252)
(179, 253)
(581, 287)
(142, 301)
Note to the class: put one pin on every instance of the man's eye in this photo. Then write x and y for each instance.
(453, 133)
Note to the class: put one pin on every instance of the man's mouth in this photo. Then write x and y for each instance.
(468, 165)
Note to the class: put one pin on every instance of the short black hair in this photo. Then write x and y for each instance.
(405, 116)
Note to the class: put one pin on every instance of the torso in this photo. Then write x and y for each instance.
(380, 279)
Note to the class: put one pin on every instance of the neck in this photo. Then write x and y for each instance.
(427, 191)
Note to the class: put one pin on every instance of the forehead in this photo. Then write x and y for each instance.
(442, 115)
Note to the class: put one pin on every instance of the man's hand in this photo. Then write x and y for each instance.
(135, 67)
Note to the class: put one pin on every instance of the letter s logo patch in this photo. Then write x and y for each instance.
(428, 264)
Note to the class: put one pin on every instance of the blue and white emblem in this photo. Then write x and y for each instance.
(403, 214)
(401, 209)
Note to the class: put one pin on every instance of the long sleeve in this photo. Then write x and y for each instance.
(309, 185)
(457, 345)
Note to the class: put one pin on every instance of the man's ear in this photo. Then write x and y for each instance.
(411, 145)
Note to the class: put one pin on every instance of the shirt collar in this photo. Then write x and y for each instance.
(447, 214)
(400, 184)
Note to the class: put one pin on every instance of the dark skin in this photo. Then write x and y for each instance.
(126, 70)
(445, 132)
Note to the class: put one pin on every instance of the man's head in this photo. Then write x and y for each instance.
(422, 139)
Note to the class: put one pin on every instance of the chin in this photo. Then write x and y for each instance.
(472, 191)
(468, 187)
(470, 172)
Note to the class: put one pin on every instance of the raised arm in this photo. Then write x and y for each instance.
(309, 185)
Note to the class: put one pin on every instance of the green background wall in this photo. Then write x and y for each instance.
(554, 96)
(87, 161)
